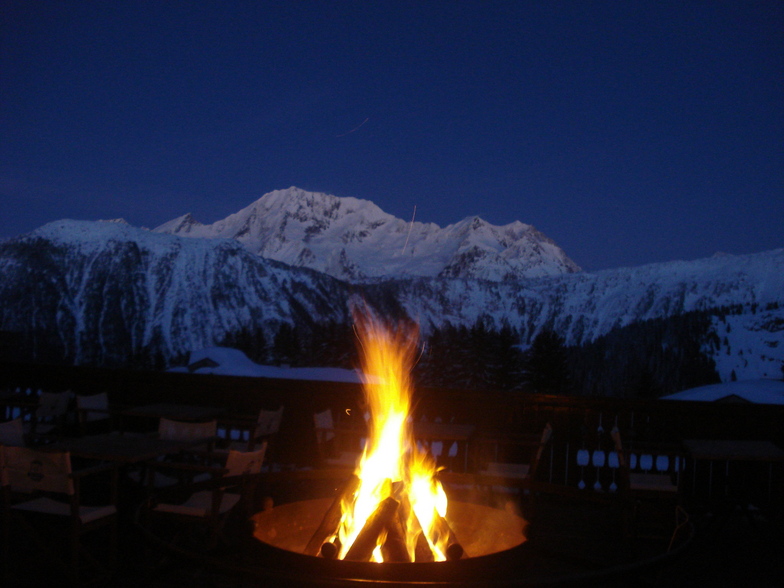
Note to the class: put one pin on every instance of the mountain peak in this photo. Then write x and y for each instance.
(353, 239)
(179, 226)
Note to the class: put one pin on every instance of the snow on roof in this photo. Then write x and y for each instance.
(225, 361)
(756, 391)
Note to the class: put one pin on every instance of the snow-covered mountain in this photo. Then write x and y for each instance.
(99, 292)
(353, 240)
(582, 307)
(585, 305)
(105, 292)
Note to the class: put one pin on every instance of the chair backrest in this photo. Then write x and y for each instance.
(52, 405)
(172, 430)
(616, 437)
(547, 434)
(12, 433)
(268, 422)
(325, 426)
(29, 470)
(94, 407)
(239, 463)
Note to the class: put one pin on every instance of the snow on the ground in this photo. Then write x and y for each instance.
(757, 391)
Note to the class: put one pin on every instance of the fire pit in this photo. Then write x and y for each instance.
(481, 530)
(488, 537)
(570, 543)
(390, 520)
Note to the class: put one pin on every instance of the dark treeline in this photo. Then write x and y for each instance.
(646, 359)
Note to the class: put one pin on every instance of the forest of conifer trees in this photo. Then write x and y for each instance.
(646, 359)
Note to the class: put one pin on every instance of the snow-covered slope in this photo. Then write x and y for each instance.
(354, 239)
(107, 292)
(584, 306)
(750, 344)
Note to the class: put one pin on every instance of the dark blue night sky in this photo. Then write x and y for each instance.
(629, 132)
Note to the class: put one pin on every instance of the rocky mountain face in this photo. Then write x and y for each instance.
(354, 240)
(108, 293)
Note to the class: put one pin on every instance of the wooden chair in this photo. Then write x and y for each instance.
(231, 486)
(516, 476)
(52, 417)
(42, 494)
(649, 481)
(337, 446)
(247, 434)
(187, 430)
(93, 414)
(202, 435)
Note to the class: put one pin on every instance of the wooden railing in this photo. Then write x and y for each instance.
(579, 423)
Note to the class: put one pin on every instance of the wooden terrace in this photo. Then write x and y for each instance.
(732, 491)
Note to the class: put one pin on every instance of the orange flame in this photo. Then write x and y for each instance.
(392, 464)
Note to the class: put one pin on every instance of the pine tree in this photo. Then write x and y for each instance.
(546, 364)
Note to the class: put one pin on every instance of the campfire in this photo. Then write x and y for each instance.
(393, 508)
(391, 520)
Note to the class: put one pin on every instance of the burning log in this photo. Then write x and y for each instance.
(422, 551)
(330, 549)
(454, 552)
(331, 521)
(365, 543)
(394, 548)
(453, 549)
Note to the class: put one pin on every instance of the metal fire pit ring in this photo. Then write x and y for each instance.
(242, 555)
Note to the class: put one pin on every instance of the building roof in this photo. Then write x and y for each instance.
(756, 391)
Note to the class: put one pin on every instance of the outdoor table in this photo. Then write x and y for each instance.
(737, 451)
(130, 453)
(174, 411)
(124, 448)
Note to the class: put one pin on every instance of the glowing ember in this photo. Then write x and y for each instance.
(392, 466)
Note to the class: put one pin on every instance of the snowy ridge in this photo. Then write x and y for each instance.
(105, 292)
(584, 306)
(354, 240)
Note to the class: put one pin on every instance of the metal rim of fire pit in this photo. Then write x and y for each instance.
(250, 558)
